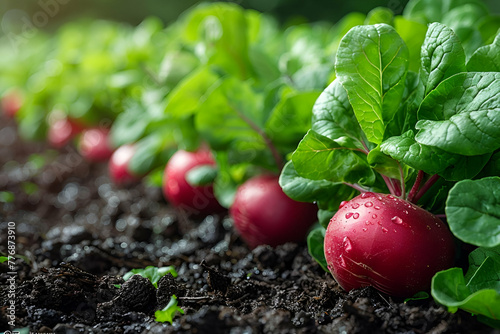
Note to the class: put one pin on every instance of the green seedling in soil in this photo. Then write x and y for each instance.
(152, 273)
(168, 313)
(429, 140)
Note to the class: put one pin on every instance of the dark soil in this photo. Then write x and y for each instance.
(77, 235)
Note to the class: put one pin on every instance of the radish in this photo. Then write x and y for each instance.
(263, 214)
(386, 242)
(118, 165)
(11, 103)
(178, 191)
(61, 131)
(94, 144)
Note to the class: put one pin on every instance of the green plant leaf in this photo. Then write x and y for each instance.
(427, 11)
(201, 175)
(186, 97)
(383, 163)
(320, 158)
(324, 216)
(315, 245)
(473, 211)
(4, 259)
(486, 58)
(334, 118)
(129, 126)
(168, 313)
(306, 190)
(291, 118)
(413, 34)
(152, 273)
(442, 56)
(462, 114)
(232, 112)
(478, 292)
(151, 152)
(371, 64)
(433, 160)
(380, 15)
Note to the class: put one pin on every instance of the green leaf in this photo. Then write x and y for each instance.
(380, 15)
(152, 273)
(320, 158)
(486, 58)
(201, 175)
(442, 56)
(315, 245)
(228, 179)
(433, 160)
(168, 313)
(324, 216)
(151, 152)
(371, 64)
(186, 97)
(418, 296)
(232, 112)
(129, 126)
(334, 118)
(291, 118)
(478, 292)
(462, 114)
(383, 163)
(413, 34)
(4, 259)
(427, 11)
(473, 211)
(306, 190)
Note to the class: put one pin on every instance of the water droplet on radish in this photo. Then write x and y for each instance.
(348, 215)
(374, 216)
(405, 211)
(397, 220)
(380, 223)
(390, 197)
(368, 204)
(367, 194)
(355, 205)
(355, 215)
(365, 229)
(342, 204)
(342, 261)
(384, 230)
(347, 244)
(376, 207)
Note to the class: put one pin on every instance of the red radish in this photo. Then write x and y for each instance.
(383, 241)
(118, 165)
(264, 215)
(62, 130)
(11, 103)
(177, 190)
(95, 145)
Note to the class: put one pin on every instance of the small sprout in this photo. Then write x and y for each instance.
(6, 197)
(418, 296)
(152, 273)
(168, 313)
(118, 286)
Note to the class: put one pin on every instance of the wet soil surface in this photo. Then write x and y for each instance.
(77, 235)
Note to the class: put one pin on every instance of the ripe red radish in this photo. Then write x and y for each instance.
(178, 191)
(11, 103)
(264, 215)
(95, 145)
(61, 131)
(119, 165)
(383, 241)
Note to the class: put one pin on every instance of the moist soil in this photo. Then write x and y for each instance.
(77, 234)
